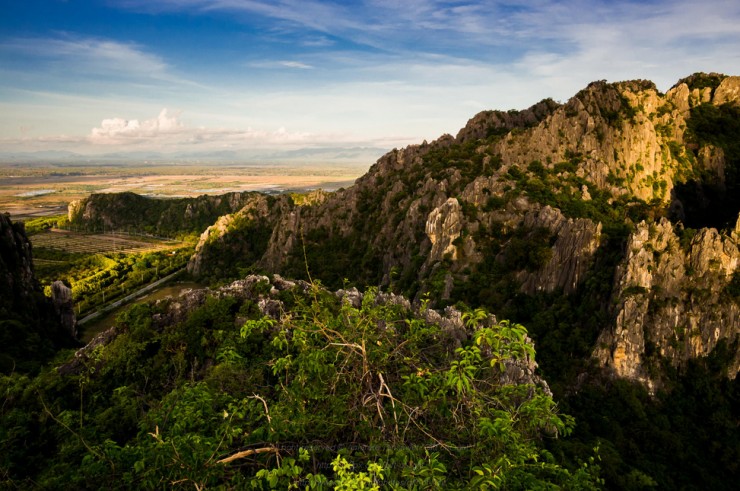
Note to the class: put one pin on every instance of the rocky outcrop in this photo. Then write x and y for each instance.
(443, 227)
(672, 301)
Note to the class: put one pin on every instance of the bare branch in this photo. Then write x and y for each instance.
(267, 411)
(247, 453)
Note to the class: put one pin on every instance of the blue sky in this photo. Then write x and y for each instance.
(252, 76)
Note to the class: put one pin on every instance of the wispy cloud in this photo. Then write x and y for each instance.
(539, 24)
(91, 57)
(295, 64)
(281, 64)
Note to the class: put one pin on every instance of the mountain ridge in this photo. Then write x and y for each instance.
(610, 158)
(524, 202)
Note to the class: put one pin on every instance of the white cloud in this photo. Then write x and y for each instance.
(168, 131)
(119, 130)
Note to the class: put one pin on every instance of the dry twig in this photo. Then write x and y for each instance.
(247, 453)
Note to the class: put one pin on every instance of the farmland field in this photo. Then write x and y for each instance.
(101, 268)
(73, 242)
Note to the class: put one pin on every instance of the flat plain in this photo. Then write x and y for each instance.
(42, 189)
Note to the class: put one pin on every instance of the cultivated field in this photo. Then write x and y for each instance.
(74, 242)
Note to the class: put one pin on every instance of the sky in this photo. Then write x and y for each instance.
(258, 77)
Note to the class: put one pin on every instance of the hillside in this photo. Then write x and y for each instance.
(167, 217)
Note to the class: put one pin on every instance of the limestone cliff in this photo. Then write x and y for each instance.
(575, 243)
(672, 299)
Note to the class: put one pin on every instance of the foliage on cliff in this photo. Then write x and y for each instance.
(167, 217)
(268, 389)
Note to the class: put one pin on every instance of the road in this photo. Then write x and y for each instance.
(128, 298)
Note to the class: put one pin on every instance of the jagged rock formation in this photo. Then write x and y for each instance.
(672, 300)
(29, 329)
(523, 198)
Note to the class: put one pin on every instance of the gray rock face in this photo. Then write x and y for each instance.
(576, 242)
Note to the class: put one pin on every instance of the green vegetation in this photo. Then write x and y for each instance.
(685, 437)
(129, 212)
(464, 157)
(236, 252)
(36, 225)
(703, 80)
(98, 280)
(123, 264)
(327, 395)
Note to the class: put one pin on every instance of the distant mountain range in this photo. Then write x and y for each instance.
(308, 155)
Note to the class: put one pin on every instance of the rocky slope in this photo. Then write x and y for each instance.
(267, 295)
(529, 199)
